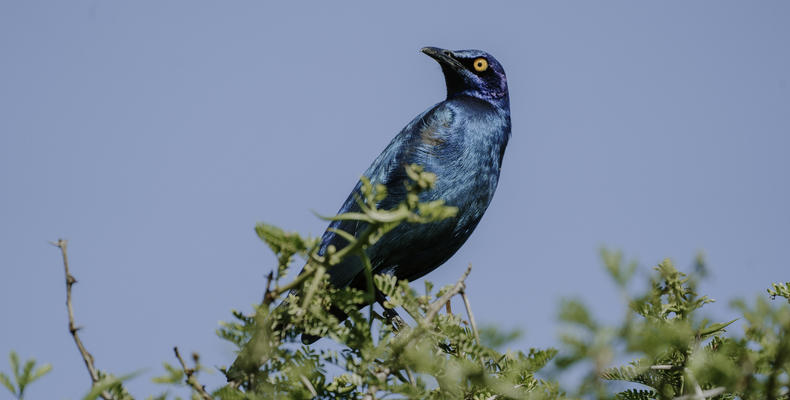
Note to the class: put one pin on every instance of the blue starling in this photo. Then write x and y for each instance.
(462, 140)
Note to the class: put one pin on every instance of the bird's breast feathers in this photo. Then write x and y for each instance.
(462, 142)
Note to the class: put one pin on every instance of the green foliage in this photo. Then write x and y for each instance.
(676, 352)
(23, 375)
(662, 348)
(781, 290)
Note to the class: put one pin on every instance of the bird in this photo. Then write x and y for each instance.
(462, 140)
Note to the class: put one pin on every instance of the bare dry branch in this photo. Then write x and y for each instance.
(62, 244)
(438, 304)
(267, 293)
(308, 385)
(471, 316)
(191, 379)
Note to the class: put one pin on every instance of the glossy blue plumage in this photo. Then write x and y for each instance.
(462, 140)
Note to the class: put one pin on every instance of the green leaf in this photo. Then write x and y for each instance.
(279, 240)
(41, 371)
(613, 261)
(7, 383)
(715, 328)
(26, 371)
(24, 377)
(573, 311)
(14, 360)
(173, 376)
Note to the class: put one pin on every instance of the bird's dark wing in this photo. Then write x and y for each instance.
(461, 141)
(418, 143)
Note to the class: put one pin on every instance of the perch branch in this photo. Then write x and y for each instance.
(471, 316)
(438, 304)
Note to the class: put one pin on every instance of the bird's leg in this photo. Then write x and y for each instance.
(390, 314)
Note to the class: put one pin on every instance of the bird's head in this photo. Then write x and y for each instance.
(471, 72)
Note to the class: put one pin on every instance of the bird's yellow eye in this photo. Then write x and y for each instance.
(480, 64)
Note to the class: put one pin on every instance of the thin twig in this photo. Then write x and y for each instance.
(471, 316)
(438, 304)
(662, 367)
(703, 394)
(278, 290)
(411, 377)
(697, 388)
(424, 323)
(308, 385)
(699, 394)
(267, 293)
(62, 244)
(191, 379)
(313, 287)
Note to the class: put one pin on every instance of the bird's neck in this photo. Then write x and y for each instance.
(501, 103)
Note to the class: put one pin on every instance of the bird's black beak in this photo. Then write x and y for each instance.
(443, 57)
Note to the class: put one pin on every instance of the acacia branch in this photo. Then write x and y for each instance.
(267, 292)
(433, 309)
(191, 379)
(73, 329)
(458, 288)
(308, 385)
(471, 316)
(273, 294)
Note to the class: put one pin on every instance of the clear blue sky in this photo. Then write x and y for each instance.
(154, 135)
